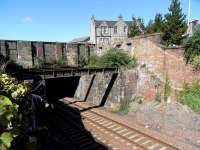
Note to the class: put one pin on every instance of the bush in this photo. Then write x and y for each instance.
(83, 61)
(11, 93)
(158, 97)
(94, 61)
(196, 62)
(125, 105)
(193, 46)
(113, 58)
(60, 62)
(39, 63)
(190, 96)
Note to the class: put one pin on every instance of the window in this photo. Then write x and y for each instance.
(100, 40)
(125, 28)
(118, 46)
(115, 29)
(128, 44)
(106, 41)
(104, 29)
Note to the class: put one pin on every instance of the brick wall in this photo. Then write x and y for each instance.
(164, 62)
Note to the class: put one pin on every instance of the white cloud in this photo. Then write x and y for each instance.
(27, 20)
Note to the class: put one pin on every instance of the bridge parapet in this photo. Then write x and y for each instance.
(49, 73)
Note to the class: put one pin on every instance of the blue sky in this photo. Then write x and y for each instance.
(63, 20)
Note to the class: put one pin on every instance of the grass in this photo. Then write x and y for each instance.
(190, 96)
(167, 89)
(125, 104)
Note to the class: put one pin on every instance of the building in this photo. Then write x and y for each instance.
(192, 28)
(103, 32)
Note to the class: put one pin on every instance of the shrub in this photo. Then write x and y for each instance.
(113, 58)
(83, 61)
(2, 68)
(39, 63)
(190, 96)
(158, 97)
(11, 93)
(193, 46)
(196, 62)
(94, 61)
(125, 105)
(61, 62)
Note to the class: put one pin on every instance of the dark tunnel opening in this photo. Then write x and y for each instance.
(58, 88)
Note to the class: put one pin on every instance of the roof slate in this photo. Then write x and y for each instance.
(81, 39)
(109, 23)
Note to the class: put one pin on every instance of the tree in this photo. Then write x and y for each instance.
(136, 28)
(193, 47)
(175, 24)
(149, 27)
(156, 25)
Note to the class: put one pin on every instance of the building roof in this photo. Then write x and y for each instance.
(80, 40)
(110, 23)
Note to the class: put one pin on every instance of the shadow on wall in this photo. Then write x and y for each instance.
(58, 88)
(108, 89)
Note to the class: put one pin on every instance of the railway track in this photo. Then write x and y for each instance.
(68, 133)
(124, 136)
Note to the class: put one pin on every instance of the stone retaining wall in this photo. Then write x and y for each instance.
(28, 53)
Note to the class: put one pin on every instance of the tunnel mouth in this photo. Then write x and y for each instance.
(58, 88)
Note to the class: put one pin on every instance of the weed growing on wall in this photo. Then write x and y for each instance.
(167, 89)
(158, 97)
(125, 104)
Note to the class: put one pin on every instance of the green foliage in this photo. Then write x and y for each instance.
(175, 24)
(83, 60)
(94, 61)
(7, 138)
(125, 105)
(11, 93)
(190, 96)
(155, 26)
(136, 28)
(113, 58)
(158, 97)
(167, 89)
(193, 47)
(196, 62)
(39, 63)
(150, 27)
(3, 64)
(61, 62)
